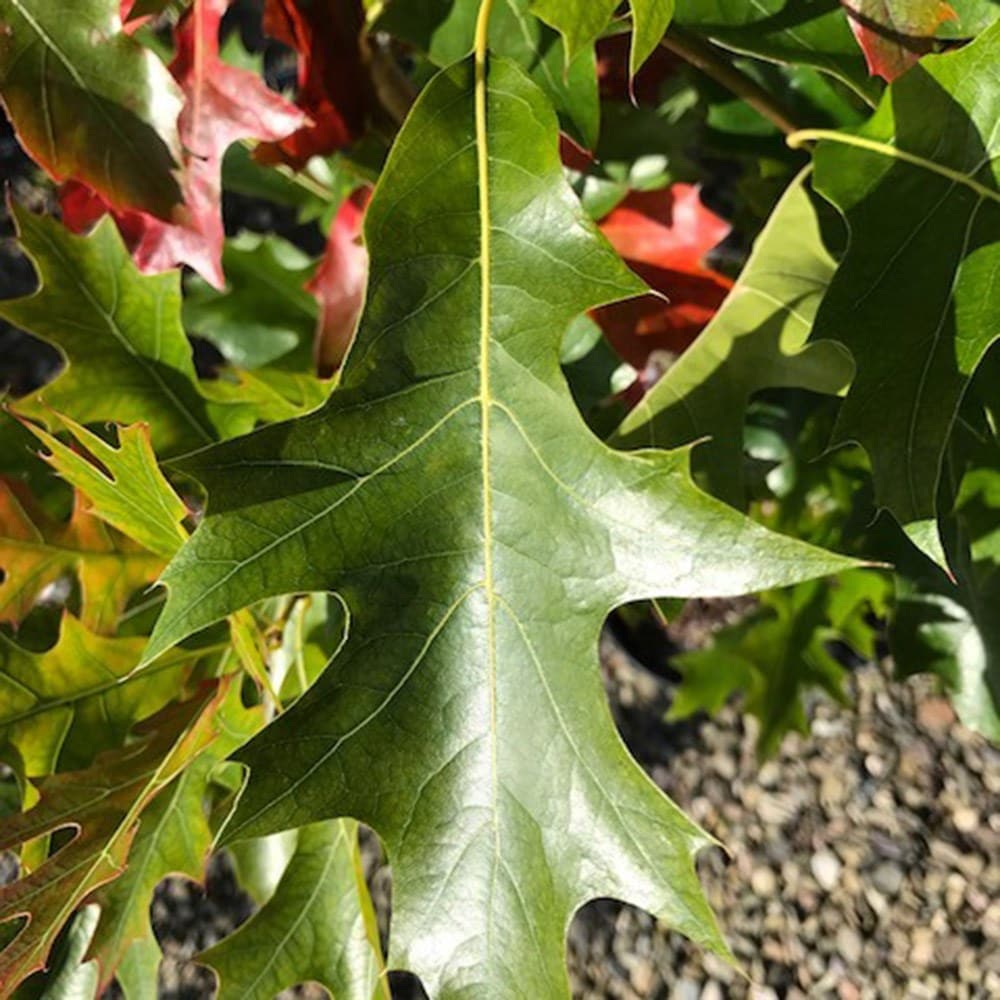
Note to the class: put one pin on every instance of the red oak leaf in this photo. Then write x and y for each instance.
(222, 105)
(339, 284)
(326, 34)
(664, 236)
(894, 34)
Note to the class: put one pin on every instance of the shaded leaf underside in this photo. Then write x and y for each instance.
(917, 297)
(757, 340)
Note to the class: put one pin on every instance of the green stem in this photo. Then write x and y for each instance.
(809, 135)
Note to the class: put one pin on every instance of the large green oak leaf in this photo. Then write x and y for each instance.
(916, 299)
(478, 534)
(90, 102)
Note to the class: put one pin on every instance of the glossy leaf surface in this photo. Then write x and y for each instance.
(811, 32)
(444, 29)
(479, 535)
(582, 22)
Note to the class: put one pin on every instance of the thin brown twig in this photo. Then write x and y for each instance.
(713, 63)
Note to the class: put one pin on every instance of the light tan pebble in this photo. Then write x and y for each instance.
(875, 765)
(848, 990)
(991, 922)
(968, 966)
(774, 951)
(888, 878)
(947, 950)
(809, 902)
(775, 809)
(719, 970)
(977, 899)
(763, 882)
(922, 947)
(965, 819)
(875, 900)
(826, 869)
(769, 775)
(971, 866)
(849, 945)
(954, 892)
(643, 977)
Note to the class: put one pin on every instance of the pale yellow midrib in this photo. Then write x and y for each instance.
(485, 387)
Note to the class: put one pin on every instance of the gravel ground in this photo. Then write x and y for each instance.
(865, 859)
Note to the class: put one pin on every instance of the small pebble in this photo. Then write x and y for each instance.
(763, 882)
(826, 869)
(887, 878)
(966, 820)
(849, 945)
(935, 713)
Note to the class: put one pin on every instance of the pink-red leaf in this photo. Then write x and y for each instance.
(223, 104)
(88, 101)
(339, 284)
(664, 236)
(894, 34)
(326, 35)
